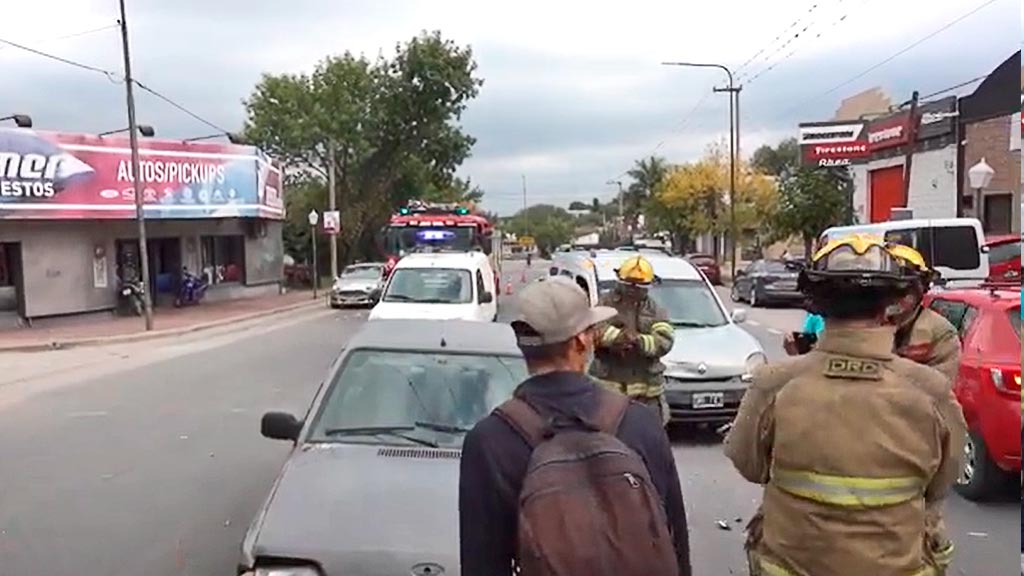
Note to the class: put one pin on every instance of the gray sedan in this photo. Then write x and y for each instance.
(371, 487)
(358, 285)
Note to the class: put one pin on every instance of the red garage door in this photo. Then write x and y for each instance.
(886, 192)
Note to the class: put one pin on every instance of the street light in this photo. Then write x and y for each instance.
(232, 137)
(144, 129)
(20, 120)
(313, 217)
(734, 143)
(980, 176)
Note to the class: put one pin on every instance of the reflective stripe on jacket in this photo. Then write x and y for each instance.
(633, 368)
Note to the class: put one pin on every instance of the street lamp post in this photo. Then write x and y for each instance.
(980, 176)
(313, 217)
(20, 120)
(231, 136)
(734, 137)
(143, 129)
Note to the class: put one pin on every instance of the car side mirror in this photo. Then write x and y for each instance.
(741, 273)
(739, 316)
(280, 426)
(486, 298)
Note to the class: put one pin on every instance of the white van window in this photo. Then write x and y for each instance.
(582, 283)
(430, 285)
(480, 287)
(954, 247)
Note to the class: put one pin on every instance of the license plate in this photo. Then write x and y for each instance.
(709, 400)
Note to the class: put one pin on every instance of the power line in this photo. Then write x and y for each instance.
(764, 48)
(110, 75)
(891, 57)
(180, 107)
(955, 87)
(78, 34)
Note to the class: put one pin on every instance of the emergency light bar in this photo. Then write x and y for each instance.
(434, 235)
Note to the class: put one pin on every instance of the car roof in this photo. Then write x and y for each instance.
(452, 336)
(1002, 239)
(460, 260)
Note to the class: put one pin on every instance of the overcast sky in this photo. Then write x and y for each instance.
(573, 90)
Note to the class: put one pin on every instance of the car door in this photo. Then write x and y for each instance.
(485, 311)
(747, 288)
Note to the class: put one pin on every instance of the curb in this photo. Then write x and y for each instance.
(143, 336)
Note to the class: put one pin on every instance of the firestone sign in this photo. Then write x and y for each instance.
(889, 132)
(826, 144)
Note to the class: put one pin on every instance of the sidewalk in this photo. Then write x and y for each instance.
(83, 331)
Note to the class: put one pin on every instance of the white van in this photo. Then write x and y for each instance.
(953, 246)
(440, 286)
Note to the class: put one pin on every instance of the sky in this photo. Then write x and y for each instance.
(574, 92)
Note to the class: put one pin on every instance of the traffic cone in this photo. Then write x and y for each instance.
(508, 288)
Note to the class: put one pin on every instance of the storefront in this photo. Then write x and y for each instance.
(68, 234)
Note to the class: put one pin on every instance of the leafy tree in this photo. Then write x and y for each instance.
(777, 161)
(392, 123)
(550, 226)
(647, 174)
(578, 206)
(812, 200)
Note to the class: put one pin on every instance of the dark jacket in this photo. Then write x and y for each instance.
(495, 458)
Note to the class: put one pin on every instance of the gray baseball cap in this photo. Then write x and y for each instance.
(555, 310)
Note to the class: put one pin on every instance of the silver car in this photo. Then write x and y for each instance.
(358, 285)
(371, 486)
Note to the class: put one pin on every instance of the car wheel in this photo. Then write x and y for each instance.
(755, 302)
(979, 478)
(734, 294)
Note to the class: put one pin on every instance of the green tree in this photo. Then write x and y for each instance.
(578, 206)
(779, 160)
(812, 200)
(391, 123)
(550, 226)
(647, 174)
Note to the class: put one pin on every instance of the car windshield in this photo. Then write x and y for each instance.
(361, 273)
(1015, 320)
(386, 397)
(430, 286)
(689, 303)
(1004, 252)
(777, 267)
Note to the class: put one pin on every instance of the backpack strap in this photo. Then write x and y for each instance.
(524, 420)
(611, 409)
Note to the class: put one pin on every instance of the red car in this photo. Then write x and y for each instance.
(988, 385)
(1004, 259)
(708, 265)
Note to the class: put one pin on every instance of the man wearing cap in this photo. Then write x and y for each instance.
(555, 332)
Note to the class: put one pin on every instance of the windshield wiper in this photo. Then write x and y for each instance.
(449, 428)
(690, 324)
(398, 298)
(432, 301)
(396, 431)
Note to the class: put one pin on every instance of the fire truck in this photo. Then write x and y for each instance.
(424, 226)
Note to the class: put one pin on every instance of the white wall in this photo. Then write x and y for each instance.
(932, 184)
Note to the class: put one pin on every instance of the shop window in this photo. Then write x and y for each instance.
(6, 267)
(223, 259)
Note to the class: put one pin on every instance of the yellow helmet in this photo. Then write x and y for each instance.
(860, 259)
(913, 259)
(636, 270)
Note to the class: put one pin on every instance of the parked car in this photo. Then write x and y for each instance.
(358, 285)
(708, 265)
(371, 484)
(1004, 258)
(767, 282)
(988, 384)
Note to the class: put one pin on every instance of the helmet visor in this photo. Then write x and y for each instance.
(845, 259)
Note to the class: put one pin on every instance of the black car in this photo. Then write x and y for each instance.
(766, 282)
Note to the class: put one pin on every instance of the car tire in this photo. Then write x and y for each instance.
(755, 302)
(734, 294)
(980, 478)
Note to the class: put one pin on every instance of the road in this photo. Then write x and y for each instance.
(146, 459)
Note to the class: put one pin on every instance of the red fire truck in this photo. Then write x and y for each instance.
(421, 225)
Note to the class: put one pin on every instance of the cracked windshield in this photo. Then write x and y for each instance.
(460, 288)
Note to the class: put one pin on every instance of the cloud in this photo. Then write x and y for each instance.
(573, 90)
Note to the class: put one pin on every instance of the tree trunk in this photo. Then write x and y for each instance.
(808, 248)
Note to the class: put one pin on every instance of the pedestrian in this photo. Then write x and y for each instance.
(630, 346)
(923, 335)
(857, 447)
(568, 478)
(814, 326)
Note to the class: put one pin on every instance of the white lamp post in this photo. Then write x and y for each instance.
(314, 219)
(980, 176)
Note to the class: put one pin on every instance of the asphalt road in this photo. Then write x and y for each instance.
(146, 459)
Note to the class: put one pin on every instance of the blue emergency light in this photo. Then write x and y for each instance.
(434, 235)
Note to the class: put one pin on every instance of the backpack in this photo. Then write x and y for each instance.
(587, 504)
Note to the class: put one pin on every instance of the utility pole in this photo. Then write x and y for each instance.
(133, 139)
(734, 104)
(908, 163)
(332, 200)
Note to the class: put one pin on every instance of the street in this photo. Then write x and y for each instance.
(147, 459)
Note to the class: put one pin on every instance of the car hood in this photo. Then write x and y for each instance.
(722, 350)
(403, 310)
(366, 510)
(361, 284)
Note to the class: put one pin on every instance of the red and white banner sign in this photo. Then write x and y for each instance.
(889, 132)
(826, 144)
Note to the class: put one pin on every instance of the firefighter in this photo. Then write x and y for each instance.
(855, 446)
(630, 346)
(923, 335)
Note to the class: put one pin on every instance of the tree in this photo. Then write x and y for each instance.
(812, 200)
(392, 123)
(577, 206)
(778, 161)
(550, 226)
(647, 174)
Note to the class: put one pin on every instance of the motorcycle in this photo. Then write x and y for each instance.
(192, 290)
(132, 297)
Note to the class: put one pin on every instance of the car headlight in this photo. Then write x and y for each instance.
(753, 361)
(286, 571)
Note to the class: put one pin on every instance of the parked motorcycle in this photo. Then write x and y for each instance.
(192, 290)
(132, 297)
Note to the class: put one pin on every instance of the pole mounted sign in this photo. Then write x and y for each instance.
(824, 144)
(332, 222)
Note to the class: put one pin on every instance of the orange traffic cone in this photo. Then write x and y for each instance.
(508, 288)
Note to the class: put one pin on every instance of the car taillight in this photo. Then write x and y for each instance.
(1005, 380)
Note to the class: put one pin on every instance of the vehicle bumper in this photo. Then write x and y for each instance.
(680, 395)
(352, 299)
(999, 427)
(769, 294)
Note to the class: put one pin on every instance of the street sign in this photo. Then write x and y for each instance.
(332, 222)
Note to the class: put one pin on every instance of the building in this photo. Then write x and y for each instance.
(68, 233)
(990, 120)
